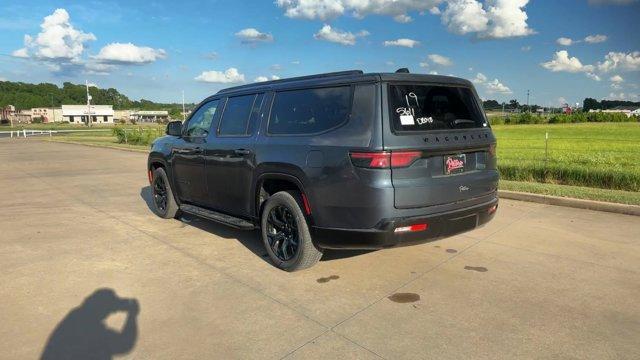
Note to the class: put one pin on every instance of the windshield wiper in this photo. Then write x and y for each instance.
(462, 121)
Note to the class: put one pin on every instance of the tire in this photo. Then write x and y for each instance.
(287, 205)
(170, 208)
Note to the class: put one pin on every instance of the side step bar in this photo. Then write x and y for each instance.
(218, 217)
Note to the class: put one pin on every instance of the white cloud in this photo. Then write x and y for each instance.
(252, 36)
(564, 41)
(264, 78)
(622, 61)
(435, 11)
(594, 39)
(440, 60)
(616, 79)
(296, 62)
(616, 86)
(229, 76)
(328, 9)
(21, 53)
(526, 48)
(120, 53)
(496, 19)
(562, 101)
(57, 40)
(618, 96)
(496, 87)
(424, 64)
(2, 79)
(338, 36)
(403, 18)
(433, 72)
(480, 78)
(275, 67)
(493, 87)
(97, 68)
(593, 76)
(402, 42)
(562, 62)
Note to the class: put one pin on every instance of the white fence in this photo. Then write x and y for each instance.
(23, 133)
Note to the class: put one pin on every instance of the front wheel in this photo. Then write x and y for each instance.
(285, 233)
(164, 204)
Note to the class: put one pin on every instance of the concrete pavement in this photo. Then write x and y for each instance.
(538, 282)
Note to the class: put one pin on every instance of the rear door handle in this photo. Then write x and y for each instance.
(242, 151)
(197, 150)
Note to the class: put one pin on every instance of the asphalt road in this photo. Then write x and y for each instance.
(86, 269)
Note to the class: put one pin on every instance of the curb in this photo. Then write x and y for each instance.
(571, 202)
(96, 146)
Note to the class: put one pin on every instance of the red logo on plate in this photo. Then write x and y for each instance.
(454, 164)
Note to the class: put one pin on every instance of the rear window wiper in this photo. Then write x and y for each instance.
(457, 122)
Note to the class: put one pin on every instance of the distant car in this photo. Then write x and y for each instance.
(342, 160)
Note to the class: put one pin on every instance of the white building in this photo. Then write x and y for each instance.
(47, 114)
(149, 115)
(78, 114)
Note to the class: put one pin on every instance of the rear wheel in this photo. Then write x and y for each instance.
(285, 233)
(164, 204)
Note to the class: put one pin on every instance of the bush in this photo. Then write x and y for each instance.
(36, 120)
(138, 136)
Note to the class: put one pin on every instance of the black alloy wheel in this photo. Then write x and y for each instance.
(282, 233)
(160, 194)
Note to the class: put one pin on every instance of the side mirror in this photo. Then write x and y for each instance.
(174, 128)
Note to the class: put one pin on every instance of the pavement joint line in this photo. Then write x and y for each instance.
(183, 252)
(218, 270)
(424, 273)
(419, 276)
(561, 257)
(201, 262)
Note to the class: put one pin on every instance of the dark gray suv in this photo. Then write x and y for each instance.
(342, 160)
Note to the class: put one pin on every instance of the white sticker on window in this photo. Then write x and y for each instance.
(407, 120)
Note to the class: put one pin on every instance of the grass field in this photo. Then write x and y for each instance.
(598, 161)
(600, 155)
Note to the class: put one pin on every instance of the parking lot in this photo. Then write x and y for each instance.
(538, 282)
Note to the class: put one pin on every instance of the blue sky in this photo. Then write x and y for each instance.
(156, 49)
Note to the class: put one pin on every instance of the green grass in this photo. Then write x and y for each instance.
(67, 126)
(600, 155)
(598, 161)
(577, 192)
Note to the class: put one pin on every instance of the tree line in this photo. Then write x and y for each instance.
(27, 96)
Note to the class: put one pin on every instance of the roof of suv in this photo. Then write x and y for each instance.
(346, 76)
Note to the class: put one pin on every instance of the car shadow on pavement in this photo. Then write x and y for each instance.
(83, 334)
(249, 238)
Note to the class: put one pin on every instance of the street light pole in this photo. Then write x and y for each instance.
(88, 104)
(184, 116)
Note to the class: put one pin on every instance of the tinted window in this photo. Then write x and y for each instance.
(309, 111)
(428, 107)
(235, 119)
(200, 123)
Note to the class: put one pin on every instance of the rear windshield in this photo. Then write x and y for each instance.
(433, 107)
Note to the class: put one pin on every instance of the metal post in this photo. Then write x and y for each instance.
(183, 111)
(546, 150)
(24, 132)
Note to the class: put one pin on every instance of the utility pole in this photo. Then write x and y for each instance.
(184, 116)
(528, 109)
(88, 104)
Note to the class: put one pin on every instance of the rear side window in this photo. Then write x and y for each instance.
(309, 111)
(433, 107)
(236, 115)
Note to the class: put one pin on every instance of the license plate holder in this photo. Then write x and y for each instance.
(454, 164)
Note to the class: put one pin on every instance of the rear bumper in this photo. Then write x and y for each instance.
(383, 235)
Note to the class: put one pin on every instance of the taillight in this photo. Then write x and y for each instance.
(375, 160)
(385, 159)
(404, 158)
(412, 228)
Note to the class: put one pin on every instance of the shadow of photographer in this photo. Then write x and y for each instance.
(83, 334)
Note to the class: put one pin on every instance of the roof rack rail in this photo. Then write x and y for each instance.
(307, 77)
